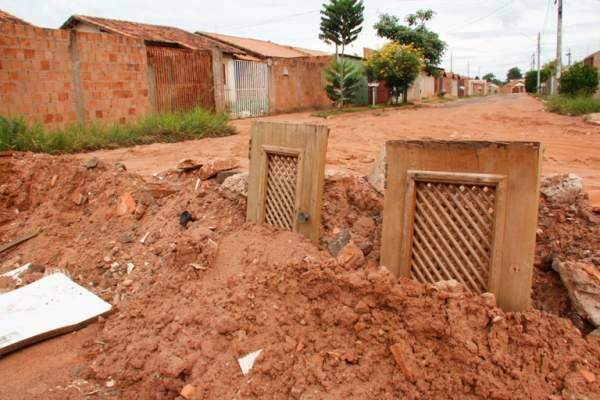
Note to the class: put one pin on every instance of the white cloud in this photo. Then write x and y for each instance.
(491, 35)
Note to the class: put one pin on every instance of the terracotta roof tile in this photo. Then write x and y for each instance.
(262, 47)
(6, 17)
(155, 33)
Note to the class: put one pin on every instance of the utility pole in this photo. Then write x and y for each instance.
(532, 62)
(451, 62)
(569, 55)
(539, 49)
(558, 46)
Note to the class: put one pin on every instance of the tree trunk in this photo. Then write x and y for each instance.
(405, 96)
(343, 75)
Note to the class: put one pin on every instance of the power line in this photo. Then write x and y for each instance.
(273, 20)
(464, 25)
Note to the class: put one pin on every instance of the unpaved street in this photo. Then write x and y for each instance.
(571, 145)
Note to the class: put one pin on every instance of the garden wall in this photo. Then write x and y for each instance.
(298, 83)
(58, 77)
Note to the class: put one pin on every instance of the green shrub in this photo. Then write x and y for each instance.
(579, 79)
(531, 79)
(573, 105)
(16, 134)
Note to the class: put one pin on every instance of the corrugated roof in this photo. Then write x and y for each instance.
(6, 17)
(154, 33)
(262, 48)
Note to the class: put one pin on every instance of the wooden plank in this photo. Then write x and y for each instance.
(515, 209)
(18, 241)
(309, 144)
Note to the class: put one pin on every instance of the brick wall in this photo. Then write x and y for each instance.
(58, 77)
(298, 84)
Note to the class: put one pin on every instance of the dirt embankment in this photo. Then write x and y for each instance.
(191, 300)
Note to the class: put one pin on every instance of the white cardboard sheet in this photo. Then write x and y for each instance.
(48, 307)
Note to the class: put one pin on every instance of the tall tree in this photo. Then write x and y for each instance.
(398, 65)
(415, 33)
(514, 73)
(490, 77)
(341, 22)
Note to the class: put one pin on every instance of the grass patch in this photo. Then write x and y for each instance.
(16, 134)
(349, 110)
(577, 105)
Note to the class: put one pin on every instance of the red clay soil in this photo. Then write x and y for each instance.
(571, 144)
(199, 297)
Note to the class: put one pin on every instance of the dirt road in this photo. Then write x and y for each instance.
(355, 139)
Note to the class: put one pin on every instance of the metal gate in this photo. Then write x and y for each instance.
(180, 79)
(247, 89)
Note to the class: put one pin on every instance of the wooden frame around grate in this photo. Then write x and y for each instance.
(282, 179)
(450, 227)
(512, 169)
(272, 191)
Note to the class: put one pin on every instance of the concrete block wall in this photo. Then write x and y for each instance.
(58, 77)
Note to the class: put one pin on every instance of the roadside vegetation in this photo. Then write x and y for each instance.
(577, 87)
(351, 110)
(16, 134)
(573, 105)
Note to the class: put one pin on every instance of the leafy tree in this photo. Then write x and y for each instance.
(343, 77)
(579, 79)
(492, 78)
(398, 65)
(341, 22)
(531, 79)
(415, 33)
(514, 73)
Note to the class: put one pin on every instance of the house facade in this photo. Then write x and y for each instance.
(594, 61)
(271, 78)
(183, 68)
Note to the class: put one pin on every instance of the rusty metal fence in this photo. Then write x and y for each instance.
(180, 79)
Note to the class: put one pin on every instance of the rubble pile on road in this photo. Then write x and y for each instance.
(194, 298)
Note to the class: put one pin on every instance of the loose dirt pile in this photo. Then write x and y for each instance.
(326, 333)
(191, 300)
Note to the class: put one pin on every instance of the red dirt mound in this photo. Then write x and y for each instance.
(326, 333)
(190, 300)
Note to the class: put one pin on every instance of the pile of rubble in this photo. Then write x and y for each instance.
(197, 288)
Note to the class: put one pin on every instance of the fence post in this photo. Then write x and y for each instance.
(219, 86)
(76, 70)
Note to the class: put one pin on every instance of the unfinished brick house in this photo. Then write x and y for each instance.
(447, 82)
(57, 77)
(11, 19)
(181, 65)
(271, 78)
(594, 61)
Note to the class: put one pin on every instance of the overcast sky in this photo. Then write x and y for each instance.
(489, 35)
